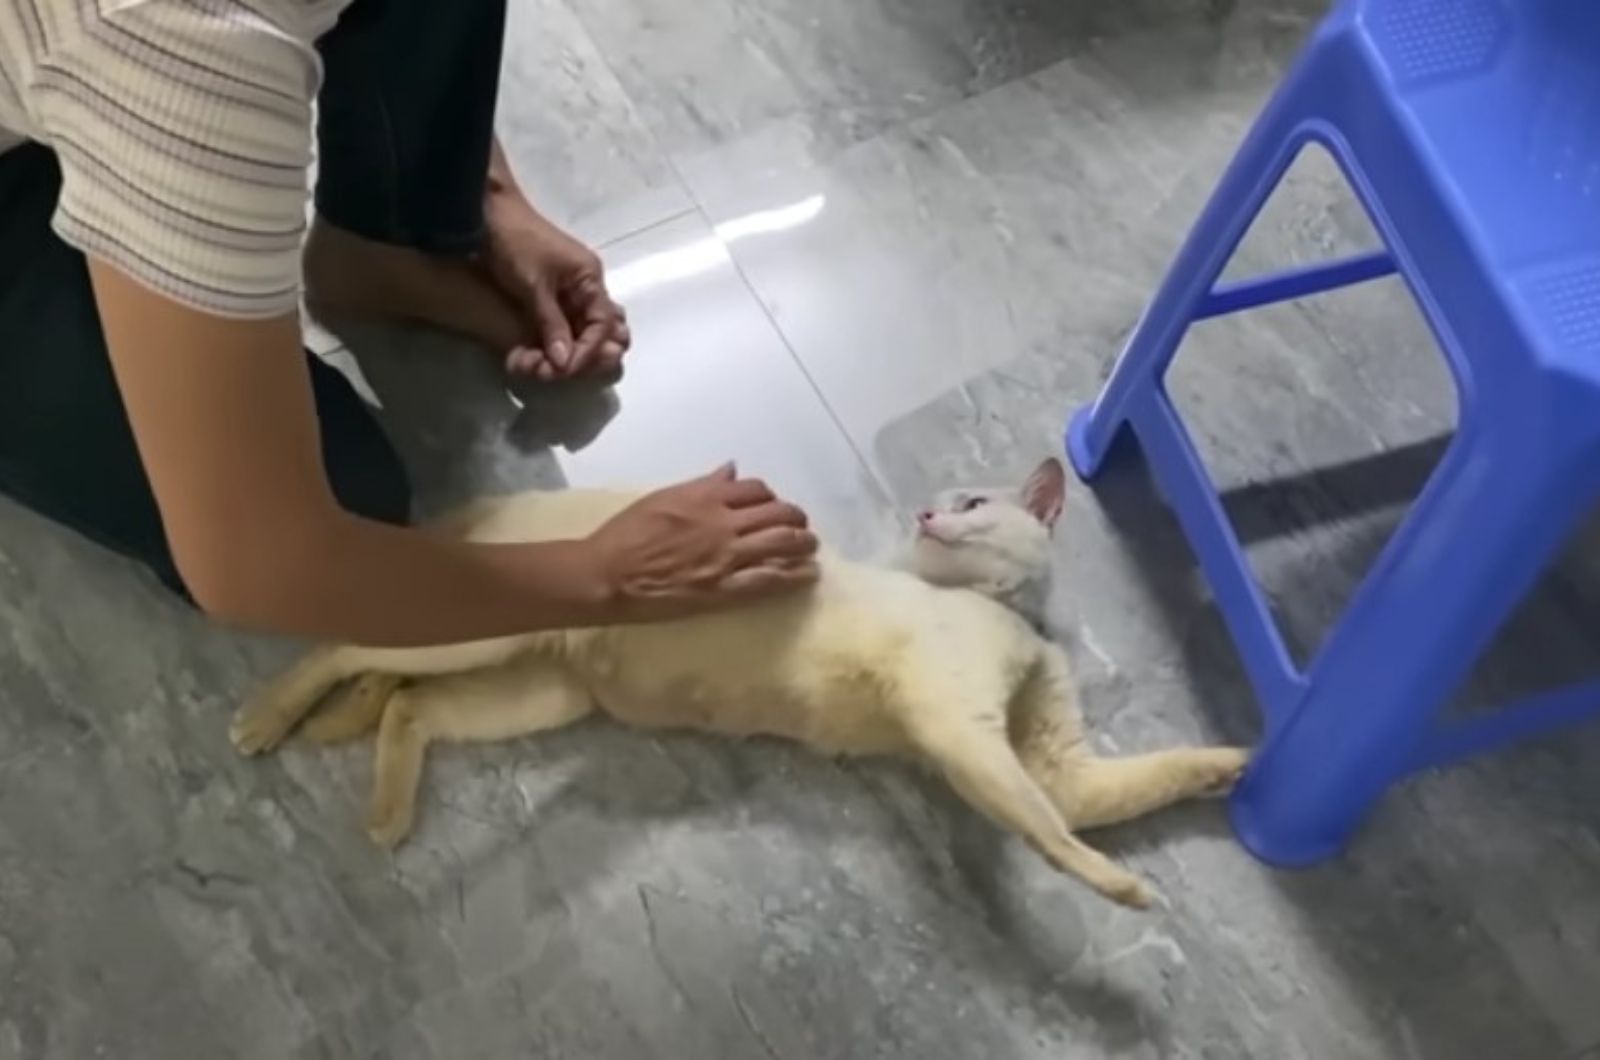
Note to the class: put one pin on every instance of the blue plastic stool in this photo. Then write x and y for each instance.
(1471, 131)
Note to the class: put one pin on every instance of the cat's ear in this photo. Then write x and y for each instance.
(1045, 492)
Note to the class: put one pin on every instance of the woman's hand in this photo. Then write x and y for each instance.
(573, 328)
(700, 546)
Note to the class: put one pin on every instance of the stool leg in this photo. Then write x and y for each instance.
(1478, 537)
(1256, 168)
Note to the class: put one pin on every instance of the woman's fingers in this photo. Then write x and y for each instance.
(775, 543)
(744, 492)
(772, 513)
(767, 579)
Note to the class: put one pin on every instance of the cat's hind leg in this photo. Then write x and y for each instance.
(1094, 792)
(980, 764)
(403, 738)
(352, 710)
(521, 697)
(1090, 792)
(269, 715)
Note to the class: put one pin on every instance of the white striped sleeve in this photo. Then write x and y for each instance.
(184, 134)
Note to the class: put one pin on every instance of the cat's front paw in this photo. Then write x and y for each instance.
(258, 728)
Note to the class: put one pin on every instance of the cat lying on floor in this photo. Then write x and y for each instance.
(922, 662)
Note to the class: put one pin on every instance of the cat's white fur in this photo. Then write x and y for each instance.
(921, 662)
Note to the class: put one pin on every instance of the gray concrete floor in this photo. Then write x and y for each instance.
(870, 248)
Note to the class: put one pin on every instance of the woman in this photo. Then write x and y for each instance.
(153, 159)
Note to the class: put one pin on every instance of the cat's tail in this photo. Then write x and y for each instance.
(269, 716)
(352, 711)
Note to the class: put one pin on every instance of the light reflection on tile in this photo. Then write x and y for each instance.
(710, 380)
(1033, 218)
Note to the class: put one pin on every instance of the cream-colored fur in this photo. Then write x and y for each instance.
(871, 661)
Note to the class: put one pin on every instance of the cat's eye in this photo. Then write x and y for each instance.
(972, 504)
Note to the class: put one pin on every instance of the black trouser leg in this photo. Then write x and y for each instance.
(407, 119)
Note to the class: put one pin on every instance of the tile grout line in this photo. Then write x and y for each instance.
(651, 226)
(576, 11)
(701, 210)
(805, 373)
(698, 207)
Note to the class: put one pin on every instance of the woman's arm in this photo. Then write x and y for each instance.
(226, 427)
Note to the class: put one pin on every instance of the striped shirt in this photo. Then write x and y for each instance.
(184, 134)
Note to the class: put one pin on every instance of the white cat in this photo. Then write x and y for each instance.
(922, 662)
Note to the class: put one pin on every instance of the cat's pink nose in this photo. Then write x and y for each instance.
(924, 517)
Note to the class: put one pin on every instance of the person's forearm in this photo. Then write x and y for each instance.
(361, 582)
(226, 422)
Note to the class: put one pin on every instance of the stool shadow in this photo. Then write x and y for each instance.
(1370, 909)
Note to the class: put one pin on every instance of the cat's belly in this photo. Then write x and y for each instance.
(824, 668)
(841, 724)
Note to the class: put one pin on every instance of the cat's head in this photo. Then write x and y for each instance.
(994, 541)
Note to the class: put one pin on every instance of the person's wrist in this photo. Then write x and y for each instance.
(499, 176)
(504, 204)
(588, 579)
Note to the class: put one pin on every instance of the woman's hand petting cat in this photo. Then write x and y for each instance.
(701, 546)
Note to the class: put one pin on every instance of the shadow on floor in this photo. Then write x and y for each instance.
(1386, 480)
(1419, 866)
(620, 789)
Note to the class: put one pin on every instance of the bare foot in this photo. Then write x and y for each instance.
(345, 273)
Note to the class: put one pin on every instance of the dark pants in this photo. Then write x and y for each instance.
(406, 120)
